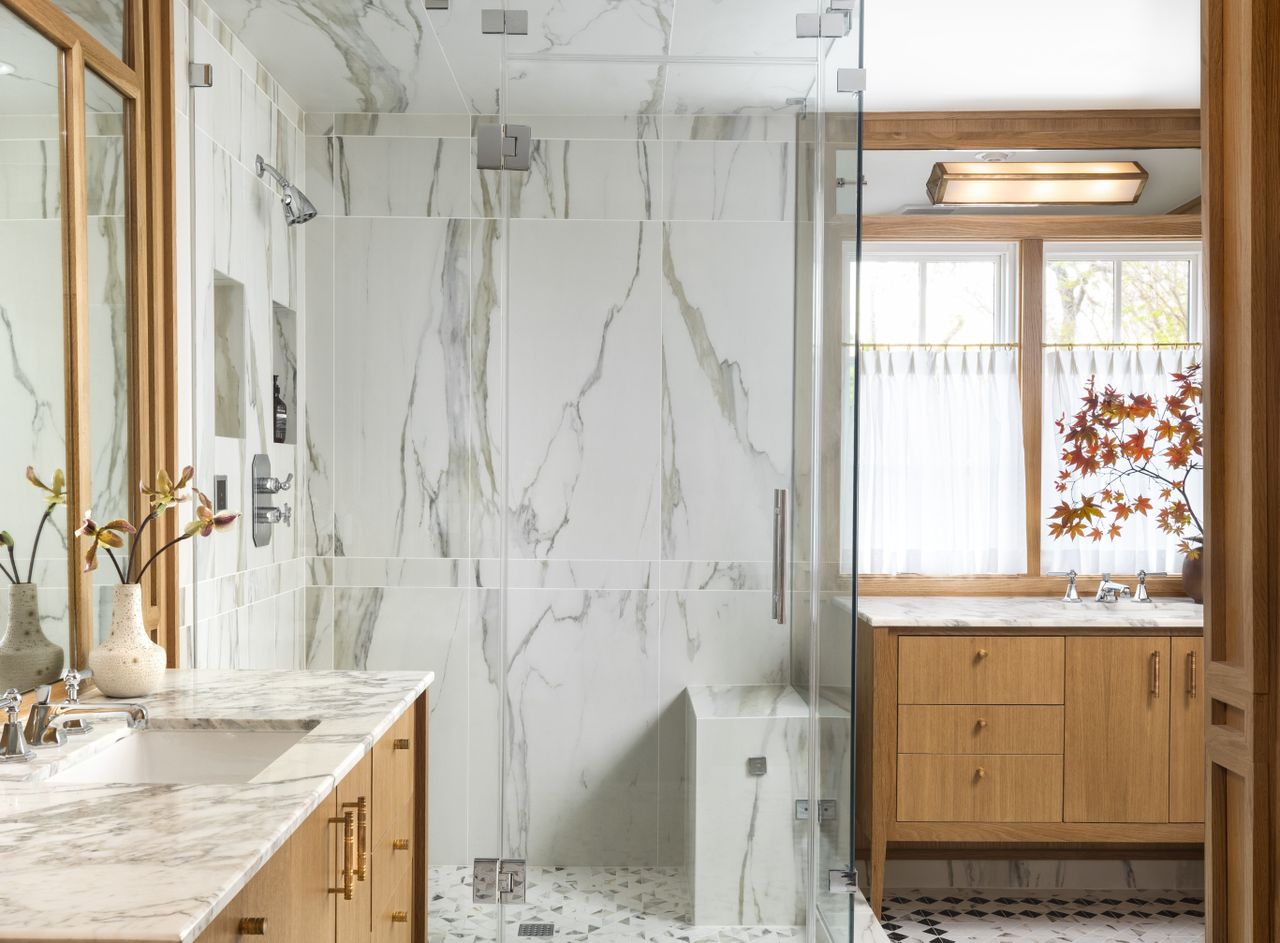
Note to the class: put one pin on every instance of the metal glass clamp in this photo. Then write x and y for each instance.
(503, 147)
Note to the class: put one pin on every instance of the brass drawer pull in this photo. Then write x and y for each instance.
(400, 844)
(982, 653)
(1155, 674)
(981, 773)
(348, 822)
(361, 806)
(252, 926)
(1191, 674)
(400, 743)
(399, 916)
(982, 724)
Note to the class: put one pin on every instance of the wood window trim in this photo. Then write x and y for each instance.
(1030, 233)
(144, 79)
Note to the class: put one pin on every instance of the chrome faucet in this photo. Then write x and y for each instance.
(1141, 595)
(1072, 595)
(41, 730)
(1109, 591)
(13, 745)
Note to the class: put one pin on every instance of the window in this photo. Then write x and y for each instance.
(941, 469)
(1129, 316)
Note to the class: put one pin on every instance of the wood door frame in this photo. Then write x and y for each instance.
(143, 76)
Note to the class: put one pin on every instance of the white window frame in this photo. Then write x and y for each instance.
(1118, 252)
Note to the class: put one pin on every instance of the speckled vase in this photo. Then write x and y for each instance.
(127, 663)
(27, 657)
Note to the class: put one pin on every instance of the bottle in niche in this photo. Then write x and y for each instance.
(281, 412)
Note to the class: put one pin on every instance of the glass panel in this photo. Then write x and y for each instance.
(108, 321)
(33, 422)
(890, 312)
(960, 302)
(103, 19)
(1155, 301)
(1079, 302)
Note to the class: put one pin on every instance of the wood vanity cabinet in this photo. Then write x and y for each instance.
(299, 894)
(1009, 738)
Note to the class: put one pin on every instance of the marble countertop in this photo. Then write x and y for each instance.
(158, 862)
(1030, 612)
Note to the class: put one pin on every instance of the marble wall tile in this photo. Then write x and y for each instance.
(486, 421)
(581, 693)
(728, 180)
(576, 179)
(584, 334)
(726, 353)
(402, 176)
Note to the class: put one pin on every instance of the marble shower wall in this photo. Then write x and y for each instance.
(621, 453)
(248, 605)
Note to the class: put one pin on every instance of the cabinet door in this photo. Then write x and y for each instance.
(355, 917)
(262, 908)
(315, 850)
(1117, 731)
(1186, 731)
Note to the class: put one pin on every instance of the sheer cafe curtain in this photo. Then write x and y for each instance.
(940, 466)
(1141, 545)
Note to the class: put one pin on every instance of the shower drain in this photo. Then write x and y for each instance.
(537, 929)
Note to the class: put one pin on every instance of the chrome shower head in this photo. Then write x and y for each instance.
(297, 208)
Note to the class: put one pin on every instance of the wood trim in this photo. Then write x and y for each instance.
(1040, 832)
(1110, 129)
(75, 255)
(421, 747)
(65, 32)
(1030, 374)
(1011, 228)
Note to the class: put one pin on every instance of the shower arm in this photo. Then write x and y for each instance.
(264, 168)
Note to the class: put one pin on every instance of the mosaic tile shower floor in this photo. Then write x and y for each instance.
(587, 905)
(974, 917)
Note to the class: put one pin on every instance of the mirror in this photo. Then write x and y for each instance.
(32, 379)
(103, 19)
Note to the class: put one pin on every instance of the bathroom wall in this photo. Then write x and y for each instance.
(623, 451)
(247, 604)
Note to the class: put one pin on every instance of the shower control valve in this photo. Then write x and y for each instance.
(282, 515)
(271, 485)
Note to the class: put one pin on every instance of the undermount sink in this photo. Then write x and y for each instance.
(189, 756)
(1126, 606)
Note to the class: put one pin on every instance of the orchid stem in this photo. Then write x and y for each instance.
(35, 545)
(136, 544)
(5, 571)
(155, 556)
(116, 564)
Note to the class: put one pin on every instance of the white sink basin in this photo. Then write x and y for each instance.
(188, 756)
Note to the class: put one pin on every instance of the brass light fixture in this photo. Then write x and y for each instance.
(1042, 183)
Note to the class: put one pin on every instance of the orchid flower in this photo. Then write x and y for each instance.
(106, 535)
(207, 520)
(165, 493)
(55, 494)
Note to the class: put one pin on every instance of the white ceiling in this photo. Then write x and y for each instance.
(615, 56)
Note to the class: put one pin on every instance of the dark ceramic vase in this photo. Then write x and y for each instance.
(1193, 577)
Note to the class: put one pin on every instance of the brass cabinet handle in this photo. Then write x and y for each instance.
(1191, 674)
(348, 822)
(252, 926)
(981, 773)
(981, 723)
(361, 806)
(400, 743)
(1155, 674)
(983, 653)
(399, 916)
(400, 844)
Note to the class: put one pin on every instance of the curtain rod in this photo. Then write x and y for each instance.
(1013, 345)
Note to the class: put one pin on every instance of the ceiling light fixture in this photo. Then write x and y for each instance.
(1048, 183)
(6, 69)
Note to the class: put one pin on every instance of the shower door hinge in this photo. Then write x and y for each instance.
(511, 22)
(851, 81)
(494, 880)
(503, 146)
(834, 24)
(199, 75)
(842, 882)
(828, 810)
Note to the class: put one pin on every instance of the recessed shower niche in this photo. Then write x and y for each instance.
(284, 370)
(228, 357)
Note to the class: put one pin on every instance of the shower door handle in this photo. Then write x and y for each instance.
(780, 556)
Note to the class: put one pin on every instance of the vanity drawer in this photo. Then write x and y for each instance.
(392, 866)
(969, 669)
(393, 922)
(979, 788)
(394, 757)
(980, 728)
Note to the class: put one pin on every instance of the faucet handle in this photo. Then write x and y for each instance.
(43, 693)
(1141, 595)
(1072, 594)
(73, 678)
(11, 701)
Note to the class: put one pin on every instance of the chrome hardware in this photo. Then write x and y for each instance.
(252, 926)
(281, 515)
(13, 745)
(1155, 674)
(851, 81)
(504, 147)
(1141, 594)
(780, 556)
(842, 882)
(273, 485)
(834, 24)
(1072, 595)
(361, 807)
(199, 75)
(511, 22)
(436, 4)
(348, 822)
(1191, 674)
(494, 880)
(1111, 592)
(828, 810)
(73, 679)
(69, 715)
(757, 765)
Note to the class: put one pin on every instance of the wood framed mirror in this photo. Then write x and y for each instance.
(87, 303)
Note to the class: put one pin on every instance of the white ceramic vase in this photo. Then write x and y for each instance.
(127, 663)
(27, 657)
